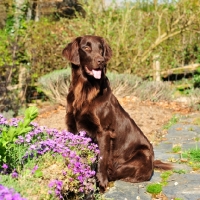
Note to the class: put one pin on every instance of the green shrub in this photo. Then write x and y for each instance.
(196, 80)
(135, 31)
(133, 43)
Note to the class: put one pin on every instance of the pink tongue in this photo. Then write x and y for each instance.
(96, 74)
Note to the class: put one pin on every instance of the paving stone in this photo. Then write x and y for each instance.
(165, 156)
(185, 186)
(184, 167)
(186, 193)
(128, 191)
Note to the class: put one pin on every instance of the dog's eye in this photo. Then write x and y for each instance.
(100, 49)
(86, 48)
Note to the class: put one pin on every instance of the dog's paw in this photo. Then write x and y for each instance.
(103, 181)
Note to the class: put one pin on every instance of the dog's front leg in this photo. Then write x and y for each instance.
(69, 117)
(71, 123)
(103, 140)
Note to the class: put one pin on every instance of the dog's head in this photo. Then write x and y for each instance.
(89, 52)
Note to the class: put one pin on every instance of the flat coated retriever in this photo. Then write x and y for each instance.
(125, 152)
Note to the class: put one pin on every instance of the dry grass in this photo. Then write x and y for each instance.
(154, 91)
(55, 85)
(123, 84)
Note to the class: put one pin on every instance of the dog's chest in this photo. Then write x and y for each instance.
(92, 117)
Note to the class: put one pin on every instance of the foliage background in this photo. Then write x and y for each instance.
(138, 31)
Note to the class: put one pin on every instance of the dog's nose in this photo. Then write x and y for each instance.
(100, 60)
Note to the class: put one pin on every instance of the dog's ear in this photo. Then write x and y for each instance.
(107, 51)
(71, 51)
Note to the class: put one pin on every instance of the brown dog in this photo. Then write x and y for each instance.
(125, 152)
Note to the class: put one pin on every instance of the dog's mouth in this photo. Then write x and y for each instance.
(94, 72)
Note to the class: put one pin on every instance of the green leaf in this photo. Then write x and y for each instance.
(26, 122)
(4, 143)
(4, 129)
(38, 173)
(11, 133)
(25, 130)
(31, 113)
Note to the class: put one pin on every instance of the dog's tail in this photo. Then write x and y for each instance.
(160, 165)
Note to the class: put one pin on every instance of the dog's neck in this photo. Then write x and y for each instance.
(85, 87)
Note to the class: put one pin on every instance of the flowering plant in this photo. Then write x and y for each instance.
(64, 161)
(9, 132)
(7, 193)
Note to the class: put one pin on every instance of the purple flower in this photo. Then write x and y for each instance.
(3, 120)
(64, 173)
(14, 174)
(28, 138)
(57, 186)
(14, 122)
(34, 169)
(51, 184)
(20, 140)
(32, 147)
(9, 194)
(80, 178)
(82, 133)
(34, 124)
(5, 166)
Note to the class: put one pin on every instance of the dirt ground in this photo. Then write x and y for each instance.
(149, 116)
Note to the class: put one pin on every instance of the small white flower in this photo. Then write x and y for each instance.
(138, 198)
(176, 183)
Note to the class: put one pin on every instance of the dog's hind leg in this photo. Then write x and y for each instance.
(138, 169)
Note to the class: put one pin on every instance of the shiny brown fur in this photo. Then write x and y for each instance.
(125, 152)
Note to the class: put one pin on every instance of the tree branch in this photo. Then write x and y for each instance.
(166, 35)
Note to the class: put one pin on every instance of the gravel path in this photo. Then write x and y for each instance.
(179, 186)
